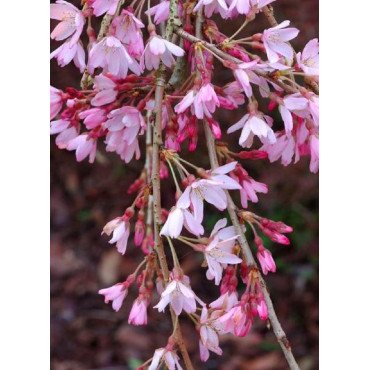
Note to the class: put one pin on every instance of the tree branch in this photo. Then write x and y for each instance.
(157, 208)
(187, 36)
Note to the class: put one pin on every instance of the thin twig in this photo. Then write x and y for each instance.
(157, 209)
(187, 36)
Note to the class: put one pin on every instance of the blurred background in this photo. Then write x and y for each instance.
(87, 334)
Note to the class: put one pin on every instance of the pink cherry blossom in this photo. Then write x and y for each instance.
(169, 357)
(241, 6)
(275, 41)
(284, 148)
(291, 103)
(179, 295)
(93, 117)
(116, 293)
(103, 6)
(233, 96)
(213, 6)
(249, 186)
(308, 60)
(69, 51)
(241, 74)
(219, 252)
(209, 340)
(72, 21)
(127, 29)
(225, 302)
(202, 102)
(107, 91)
(158, 49)
(265, 258)
(210, 190)
(85, 146)
(237, 320)
(138, 314)
(160, 11)
(66, 131)
(177, 219)
(254, 124)
(56, 101)
(121, 232)
(124, 125)
(113, 57)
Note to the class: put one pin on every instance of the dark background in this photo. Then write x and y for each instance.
(87, 334)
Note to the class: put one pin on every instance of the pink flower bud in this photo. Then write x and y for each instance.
(267, 262)
(262, 310)
(139, 232)
(138, 315)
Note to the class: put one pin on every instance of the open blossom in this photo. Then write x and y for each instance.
(116, 293)
(56, 101)
(233, 96)
(213, 6)
(219, 252)
(241, 74)
(85, 146)
(72, 21)
(160, 11)
(121, 231)
(225, 301)
(138, 314)
(124, 125)
(202, 102)
(249, 186)
(237, 320)
(158, 49)
(93, 117)
(65, 130)
(103, 6)
(254, 124)
(284, 148)
(179, 295)
(291, 103)
(127, 29)
(69, 51)
(107, 91)
(113, 57)
(169, 357)
(209, 340)
(177, 219)
(275, 41)
(308, 60)
(210, 189)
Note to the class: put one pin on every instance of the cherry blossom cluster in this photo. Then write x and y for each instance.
(124, 52)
